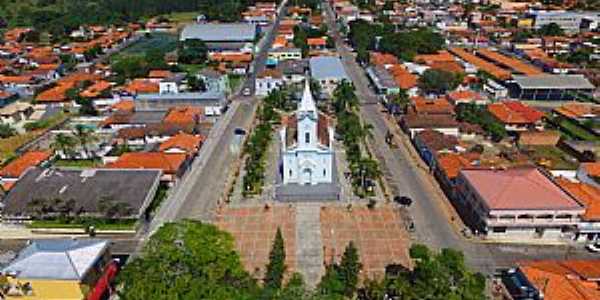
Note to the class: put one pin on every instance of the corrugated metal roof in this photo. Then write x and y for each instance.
(553, 82)
(326, 67)
(221, 32)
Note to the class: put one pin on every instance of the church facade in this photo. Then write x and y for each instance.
(307, 145)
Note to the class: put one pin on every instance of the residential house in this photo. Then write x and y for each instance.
(328, 71)
(285, 53)
(14, 170)
(171, 165)
(7, 97)
(448, 166)
(316, 44)
(182, 143)
(588, 229)
(82, 192)
(60, 269)
(430, 142)
(579, 112)
(444, 123)
(214, 80)
(538, 138)
(267, 81)
(466, 97)
(530, 206)
(589, 173)
(516, 116)
(424, 106)
(382, 80)
(554, 280)
(16, 112)
(143, 136)
(293, 71)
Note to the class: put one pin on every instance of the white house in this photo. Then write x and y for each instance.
(307, 145)
(267, 81)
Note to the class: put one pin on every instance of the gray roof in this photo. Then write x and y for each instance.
(86, 187)
(57, 259)
(285, 50)
(290, 67)
(219, 32)
(327, 67)
(381, 77)
(195, 96)
(553, 82)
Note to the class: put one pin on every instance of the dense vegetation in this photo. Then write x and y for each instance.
(191, 260)
(61, 17)
(439, 81)
(302, 33)
(477, 114)
(405, 44)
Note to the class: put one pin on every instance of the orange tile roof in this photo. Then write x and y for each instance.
(162, 74)
(441, 56)
(586, 194)
(448, 66)
(280, 41)
(464, 95)
(16, 79)
(55, 94)
(578, 109)
(142, 86)
(187, 142)
(514, 112)
(490, 68)
(452, 163)
(168, 163)
(591, 168)
(124, 106)
(7, 185)
(17, 167)
(403, 77)
(565, 279)
(231, 57)
(509, 62)
(539, 138)
(432, 106)
(379, 59)
(96, 89)
(184, 115)
(320, 41)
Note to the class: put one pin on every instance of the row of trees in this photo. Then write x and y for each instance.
(256, 146)
(191, 260)
(364, 170)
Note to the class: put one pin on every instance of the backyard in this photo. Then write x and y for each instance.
(552, 157)
(165, 42)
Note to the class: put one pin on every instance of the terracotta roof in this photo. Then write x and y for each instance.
(162, 74)
(168, 163)
(273, 73)
(124, 105)
(436, 141)
(380, 59)
(142, 86)
(432, 106)
(96, 89)
(452, 163)
(519, 189)
(448, 66)
(509, 62)
(403, 77)
(492, 69)
(564, 279)
(586, 194)
(578, 110)
(464, 96)
(17, 167)
(184, 115)
(441, 56)
(539, 138)
(231, 57)
(55, 94)
(320, 41)
(514, 112)
(23, 79)
(591, 168)
(187, 142)
(429, 121)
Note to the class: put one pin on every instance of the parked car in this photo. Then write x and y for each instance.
(239, 131)
(595, 247)
(403, 200)
(246, 92)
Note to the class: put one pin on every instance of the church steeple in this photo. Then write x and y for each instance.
(307, 104)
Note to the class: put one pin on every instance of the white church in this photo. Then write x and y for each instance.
(307, 145)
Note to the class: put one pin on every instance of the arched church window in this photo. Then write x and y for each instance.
(307, 138)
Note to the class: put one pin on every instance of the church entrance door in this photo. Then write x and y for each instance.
(307, 176)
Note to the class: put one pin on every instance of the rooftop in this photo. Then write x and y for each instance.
(586, 194)
(326, 67)
(63, 259)
(519, 189)
(17, 167)
(514, 112)
(568, 82)
(222, 32)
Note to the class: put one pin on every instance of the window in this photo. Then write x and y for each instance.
(307, 138)
(324, 172)
(290, 172)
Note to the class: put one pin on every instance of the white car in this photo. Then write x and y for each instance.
(593, 247)
(246, 92)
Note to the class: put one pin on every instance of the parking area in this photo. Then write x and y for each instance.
(254, 229)
(378, 233)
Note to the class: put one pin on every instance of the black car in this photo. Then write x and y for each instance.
(239, 131)
(403, 200)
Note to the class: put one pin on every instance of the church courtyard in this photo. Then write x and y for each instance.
(325, 230)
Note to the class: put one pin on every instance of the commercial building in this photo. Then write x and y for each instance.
(550, 87)
(518, 203)
(569, 21)
(221, 36)
(328, 71)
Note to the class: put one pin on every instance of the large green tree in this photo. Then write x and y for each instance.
(187, 260)
(438, 81)
(276, 267)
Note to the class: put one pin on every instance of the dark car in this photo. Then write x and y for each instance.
(239, 131)
(403, 200)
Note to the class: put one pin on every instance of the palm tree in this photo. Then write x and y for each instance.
(84, 137)
(63, 144)
(7, 131)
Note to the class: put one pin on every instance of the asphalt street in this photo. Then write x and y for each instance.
(403, 175)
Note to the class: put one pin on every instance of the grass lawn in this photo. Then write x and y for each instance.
(163, 41)
(577, 131)
(159, 197)
(182, 17)
(78, 163)
(82, 224)
(553, 157)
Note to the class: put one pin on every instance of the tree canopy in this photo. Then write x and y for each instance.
(439, 81)
(187, 260)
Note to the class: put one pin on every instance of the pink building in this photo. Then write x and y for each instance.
(519, 203)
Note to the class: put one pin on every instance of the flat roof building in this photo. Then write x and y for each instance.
(219, 32)
(550, 87)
